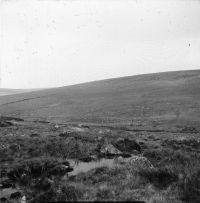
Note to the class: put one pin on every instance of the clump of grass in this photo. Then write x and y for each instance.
(178, 167)
(40, 180)
(56, 193)
(104, 193)
(68, 148)
(159, 177)
(31, 173)
(189, 187)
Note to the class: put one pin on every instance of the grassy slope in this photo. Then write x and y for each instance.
(142, 96)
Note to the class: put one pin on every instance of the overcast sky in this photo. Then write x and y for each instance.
(47, 43)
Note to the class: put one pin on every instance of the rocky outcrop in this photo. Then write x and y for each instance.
(109, 150)
(138, 163)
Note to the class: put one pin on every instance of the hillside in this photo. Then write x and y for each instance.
(4, 91)
(77, 143)
(161, 95)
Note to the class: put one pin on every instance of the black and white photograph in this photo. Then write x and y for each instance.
(100, 101)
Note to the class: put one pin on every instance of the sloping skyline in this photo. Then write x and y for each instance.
(58, 43)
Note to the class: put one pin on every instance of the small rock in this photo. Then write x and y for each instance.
(23, 200)
(56, 126)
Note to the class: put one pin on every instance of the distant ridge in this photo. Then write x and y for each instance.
(159, 95)
(5, 91)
